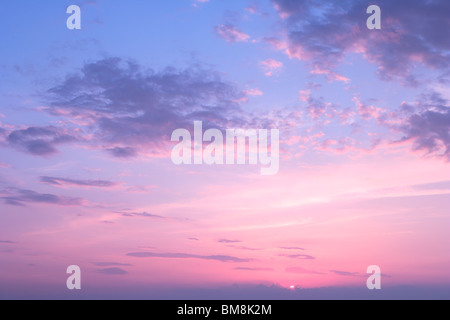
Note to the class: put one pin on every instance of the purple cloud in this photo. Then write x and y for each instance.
(253, 269)
(39, 141)
(316, 34)
(18, 197)
(141, 214)
(130, 105)
(112, 271)
(228, 241)
(220, 258)
(428, 125)
(111, 264)
(82, 183)
(346, 274)
(298, 256)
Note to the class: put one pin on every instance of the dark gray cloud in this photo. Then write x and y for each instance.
(19, 197)
(221, 258)
(39, 141)
(412, 30)
(112, 271)
(82, 183)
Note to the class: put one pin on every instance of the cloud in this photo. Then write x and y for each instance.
(292, 248)
(228, 241)
(141, 214)
(347, 274)
(112, 271)
(244, 248)
(429, 127)
(441, 185)
(39, 141)
(253, 269)
(220, 258)
(322, 33)
(7, 242)
(271, 66)
(111, 264)
(18, 197)
(123, 152)
(82, 183)
(125, 108)
(298, 256)
(302, 271)
(230, 33)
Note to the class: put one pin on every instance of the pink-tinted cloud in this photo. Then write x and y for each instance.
(323, 33)
(230, 33)
(271, 66)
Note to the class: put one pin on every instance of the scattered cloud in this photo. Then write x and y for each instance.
(271, 66)
(322, 33)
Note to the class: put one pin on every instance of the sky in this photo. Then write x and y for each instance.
(86, 170)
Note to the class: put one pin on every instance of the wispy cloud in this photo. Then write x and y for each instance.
(112, 271)
(253, 269)
(221, 258)
(298, 256)
(19, 197)
(346, 273)
(111, 264)
(141, 214)
(302, 271)
(230, 33)
(74, 182)
(228, 241)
